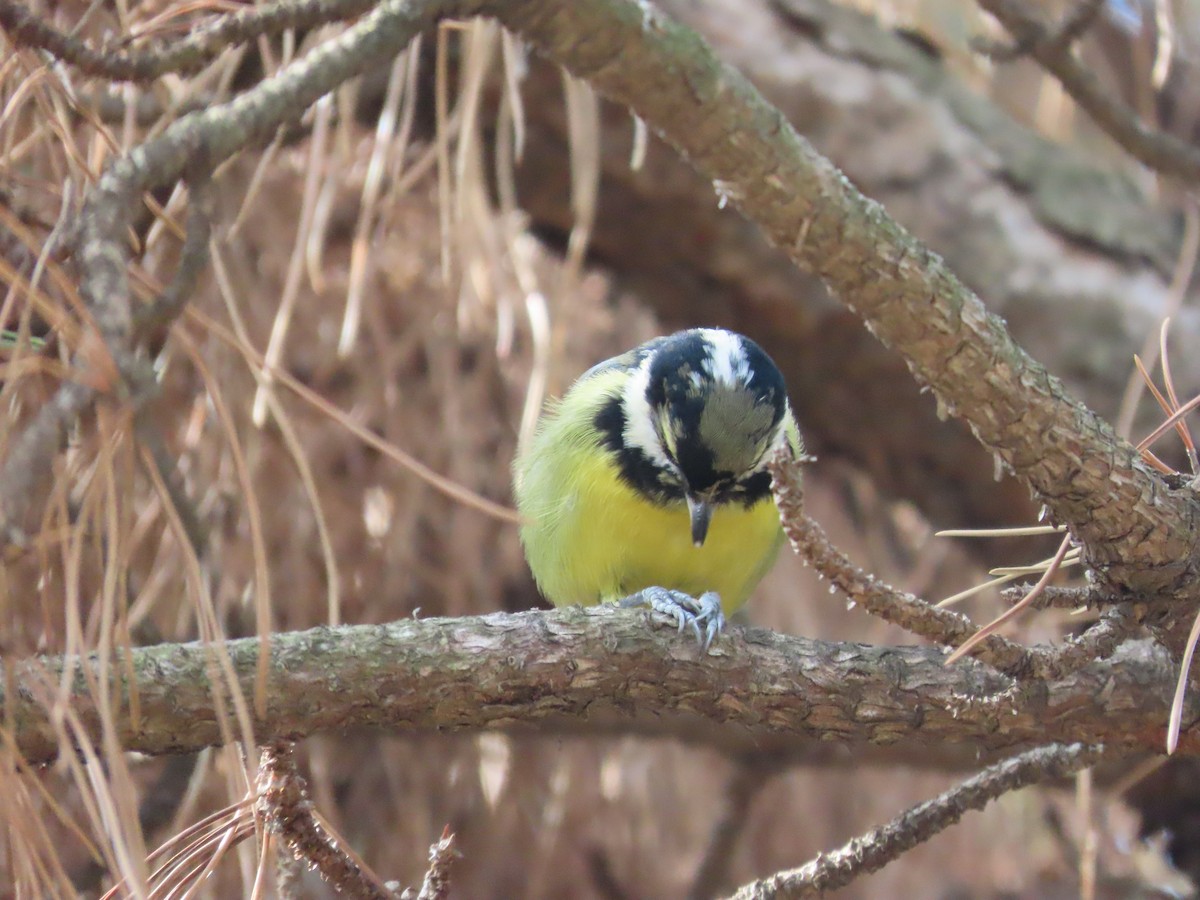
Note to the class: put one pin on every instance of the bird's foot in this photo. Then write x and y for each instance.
(702, 614)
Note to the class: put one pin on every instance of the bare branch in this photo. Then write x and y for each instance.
(442, 854)
(877, 848)
(601, 670)
(1098, 642)
(183, 56)
(193, 259)
(931, 622)
(1054, 597)
(30, 454)
(942, 626)
(1069, 30)
(284, 806)
(1159, 150)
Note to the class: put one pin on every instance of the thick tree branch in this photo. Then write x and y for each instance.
(600, 670)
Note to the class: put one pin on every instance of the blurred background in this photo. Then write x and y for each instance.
(438, 247)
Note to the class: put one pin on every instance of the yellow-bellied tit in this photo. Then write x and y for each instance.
(647, 482)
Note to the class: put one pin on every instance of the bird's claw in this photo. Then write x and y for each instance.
(702, 614)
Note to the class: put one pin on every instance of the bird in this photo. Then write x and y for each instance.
(647, 482)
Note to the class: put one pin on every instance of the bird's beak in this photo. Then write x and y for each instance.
(700, 511)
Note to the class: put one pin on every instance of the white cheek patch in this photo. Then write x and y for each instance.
(727, 363)
(639, 430)
(778, 441)
(781, 432)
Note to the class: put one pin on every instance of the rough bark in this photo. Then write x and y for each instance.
(595, 670)
(1075, 258)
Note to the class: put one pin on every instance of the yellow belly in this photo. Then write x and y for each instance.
(599, 540)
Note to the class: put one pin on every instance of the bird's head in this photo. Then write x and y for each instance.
(706, 408)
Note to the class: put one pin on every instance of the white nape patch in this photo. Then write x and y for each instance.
(639, 423)
(728, 364)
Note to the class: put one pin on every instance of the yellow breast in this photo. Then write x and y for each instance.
(589, 537)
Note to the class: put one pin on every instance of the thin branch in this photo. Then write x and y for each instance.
(880, 846)
(158, 316)
(193, 259)
(942, 626)
(442, 855)
(1098, 642)
(935, 623)
(1016, 609)
(182, 56)
(1052, 662)
(1159, 150)
(26, 468)
(1066, 33)
(547, 671)
(284, 805)
(1055, 597)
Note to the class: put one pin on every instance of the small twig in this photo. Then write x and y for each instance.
(1048, 662)
(27, 465)
(1157, 149)
(287, 812)
(877, 848)
(442, 854)
(899, 607)
(183, 56)
(1054, 597)
(1096, 643)
(1012, 612)
(193, 259)
(713, 871)
(1068, 31)
(159, 315)
(1028, 665)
